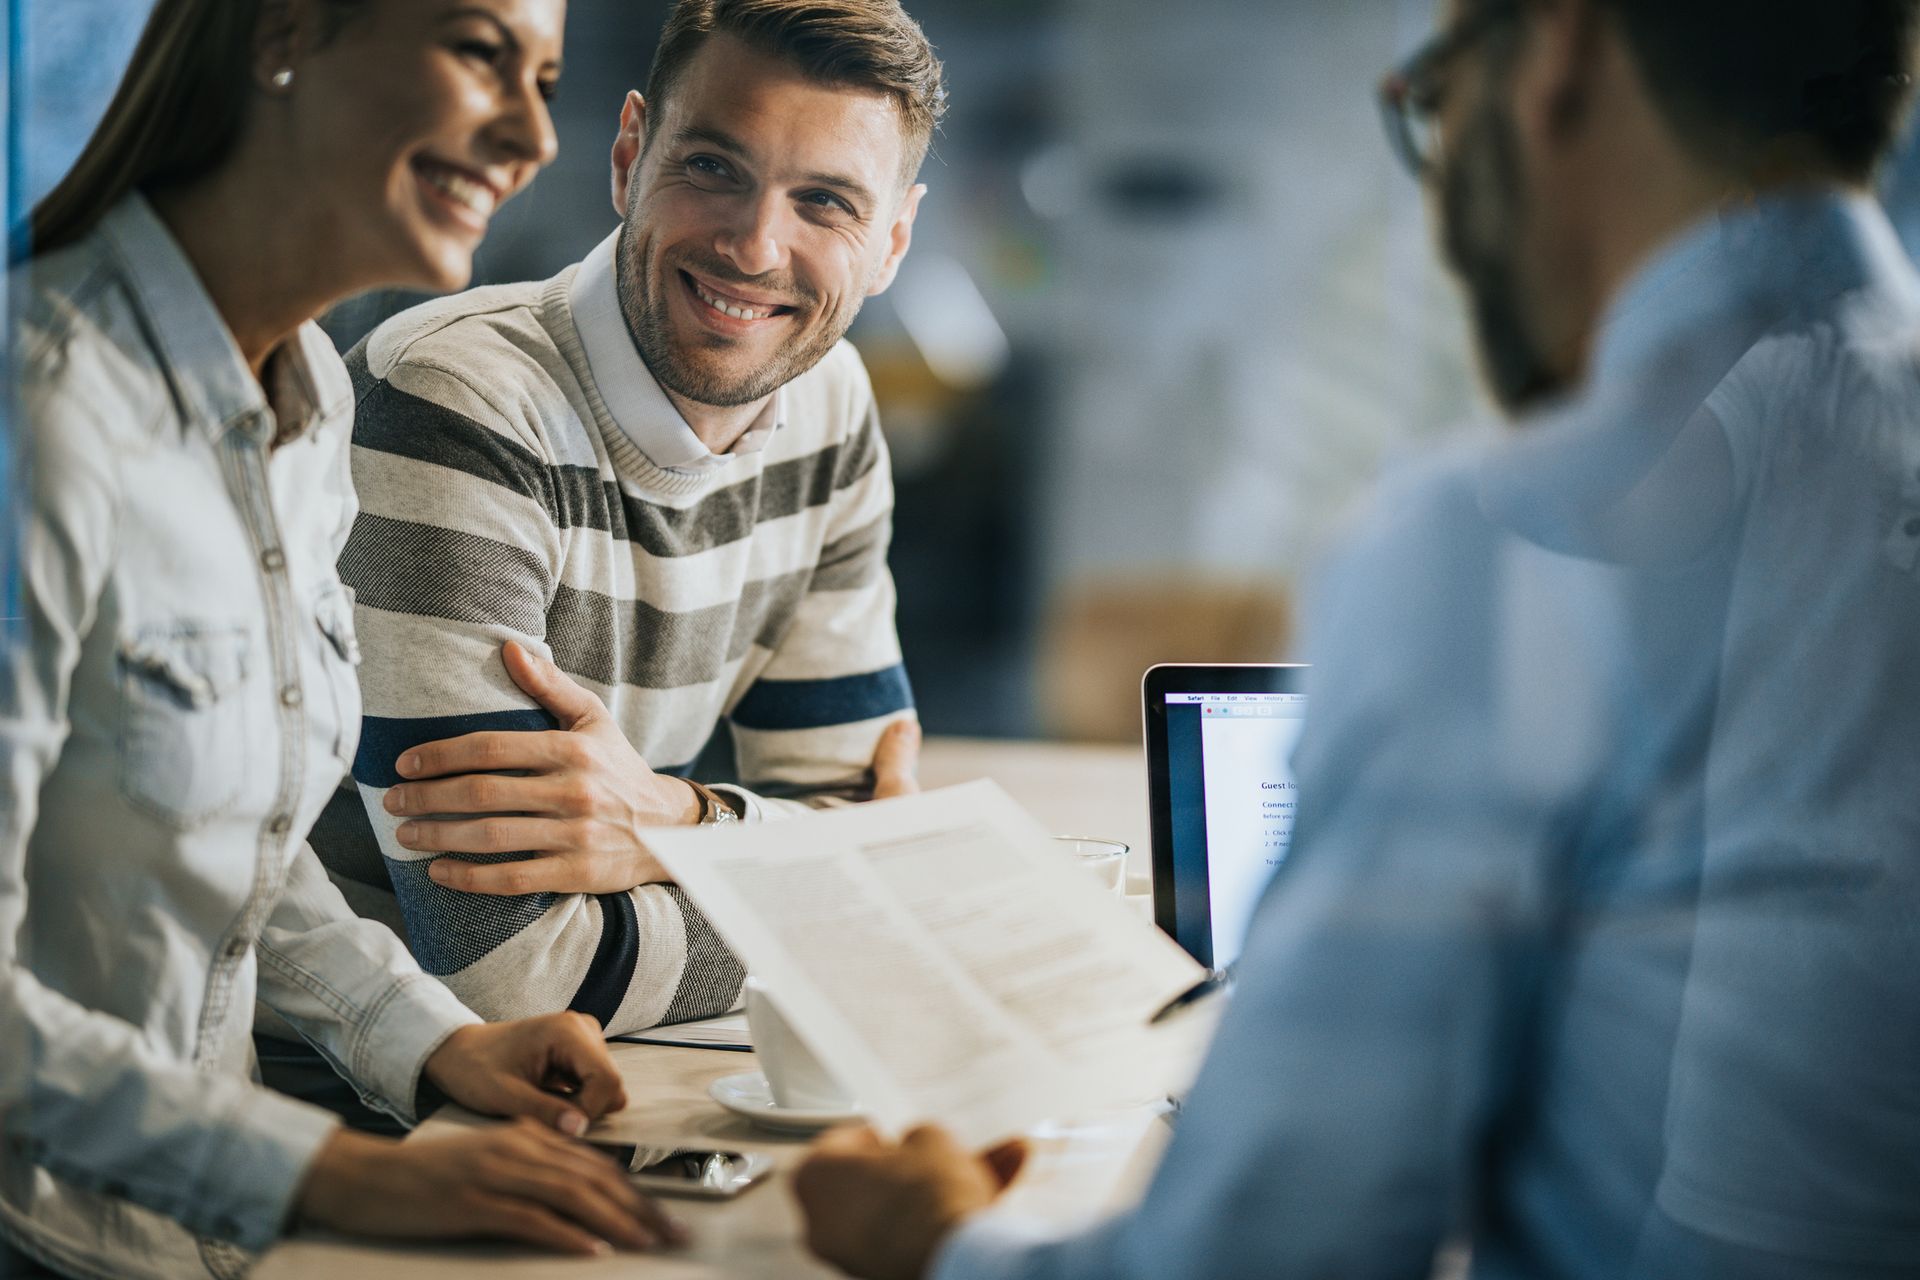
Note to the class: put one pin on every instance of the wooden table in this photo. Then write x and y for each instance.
(1097, 791)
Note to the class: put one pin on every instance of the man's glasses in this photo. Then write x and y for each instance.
(1410, 97)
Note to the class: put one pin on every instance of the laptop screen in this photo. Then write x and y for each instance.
(1231, 800)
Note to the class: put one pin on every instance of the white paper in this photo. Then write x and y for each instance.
(945, 961)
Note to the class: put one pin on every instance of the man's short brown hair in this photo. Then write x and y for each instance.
(1743, 81)
(864, 44)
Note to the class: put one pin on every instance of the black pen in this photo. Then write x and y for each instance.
(1216, 980)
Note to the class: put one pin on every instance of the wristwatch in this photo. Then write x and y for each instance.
(714, 807)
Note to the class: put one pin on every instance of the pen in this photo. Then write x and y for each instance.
(1216, 980)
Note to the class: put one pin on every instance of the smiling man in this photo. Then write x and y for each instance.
(659, 475)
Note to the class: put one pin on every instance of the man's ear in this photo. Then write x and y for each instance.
(899, 239)
(1554, 80)
(627, 146)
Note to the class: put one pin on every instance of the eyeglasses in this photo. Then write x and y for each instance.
(1410, 97)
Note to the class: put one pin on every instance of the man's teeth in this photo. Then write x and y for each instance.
(476, 196)
(733, 309)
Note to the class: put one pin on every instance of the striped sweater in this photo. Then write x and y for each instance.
(500, 500)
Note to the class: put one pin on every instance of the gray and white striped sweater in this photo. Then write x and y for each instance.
(499, 500)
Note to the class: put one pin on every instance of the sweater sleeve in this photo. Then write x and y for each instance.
(463, 526)
(807, 727)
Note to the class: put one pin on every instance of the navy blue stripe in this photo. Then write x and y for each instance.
(611, 972)
(813, 704)
(383, 740)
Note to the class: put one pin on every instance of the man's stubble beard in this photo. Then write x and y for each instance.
(643, 303)
(1483, 213)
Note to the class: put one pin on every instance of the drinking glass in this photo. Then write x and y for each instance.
(1105, 860)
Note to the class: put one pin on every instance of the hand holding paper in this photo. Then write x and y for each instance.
(944, 962)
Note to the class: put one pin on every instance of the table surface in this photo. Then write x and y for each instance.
(1075, 789)
(1072, 1177)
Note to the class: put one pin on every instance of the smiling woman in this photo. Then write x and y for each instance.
(185, 700)
(383, 133)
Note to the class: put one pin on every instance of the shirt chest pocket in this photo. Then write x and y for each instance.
(339, 660)
(184, 729)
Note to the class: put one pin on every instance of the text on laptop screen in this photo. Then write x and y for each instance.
(1233, 800)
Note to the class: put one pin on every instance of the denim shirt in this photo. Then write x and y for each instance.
(176, 704)
(1598, 940)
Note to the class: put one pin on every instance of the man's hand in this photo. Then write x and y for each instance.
(520, 1182)
(896, 761)
(585, 796)
(879, 1210)
(555, 1069)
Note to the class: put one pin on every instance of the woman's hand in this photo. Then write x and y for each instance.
(520, 1182)
(555, 1069)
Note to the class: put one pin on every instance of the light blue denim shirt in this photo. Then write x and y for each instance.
(175, 706)
(1600, 938)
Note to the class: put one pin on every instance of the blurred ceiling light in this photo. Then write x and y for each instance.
(948, 318)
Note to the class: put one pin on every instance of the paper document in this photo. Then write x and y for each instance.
(945, 961)
(728, 1031)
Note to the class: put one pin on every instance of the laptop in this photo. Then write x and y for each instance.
(1220, 793)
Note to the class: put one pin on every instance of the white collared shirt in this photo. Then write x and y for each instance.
(632, 395)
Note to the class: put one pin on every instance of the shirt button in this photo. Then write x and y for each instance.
(273, 559)
(281, 824)
(290, 696)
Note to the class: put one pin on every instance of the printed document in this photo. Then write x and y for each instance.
(946, 962)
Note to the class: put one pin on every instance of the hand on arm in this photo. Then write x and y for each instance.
(584, 798)
(880, 1210)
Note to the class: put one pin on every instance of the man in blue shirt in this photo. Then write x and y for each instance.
(1598, 946)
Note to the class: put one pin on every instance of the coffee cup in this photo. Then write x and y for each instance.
(794, 1076)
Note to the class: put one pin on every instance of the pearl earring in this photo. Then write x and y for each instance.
(283, 77)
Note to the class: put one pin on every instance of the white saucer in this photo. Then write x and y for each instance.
(748, 1095)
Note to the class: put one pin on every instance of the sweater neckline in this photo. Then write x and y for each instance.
(629, 463)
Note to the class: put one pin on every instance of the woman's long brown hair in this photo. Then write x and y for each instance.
(176, 116)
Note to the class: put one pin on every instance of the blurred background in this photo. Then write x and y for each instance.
(1170, 309)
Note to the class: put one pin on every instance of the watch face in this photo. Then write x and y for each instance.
(718, 808)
